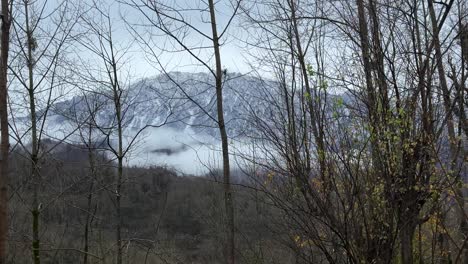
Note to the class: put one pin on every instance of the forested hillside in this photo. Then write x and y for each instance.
(167, 217)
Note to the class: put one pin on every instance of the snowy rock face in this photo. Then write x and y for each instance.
(183, 101)
(174, 117)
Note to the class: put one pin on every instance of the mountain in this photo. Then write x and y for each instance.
(165, 99)
(185, 104)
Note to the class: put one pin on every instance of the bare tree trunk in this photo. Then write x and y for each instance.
(366, 57)
(406, 238)
(443, 83)
(406, 246)
(459, 192)
(230, 246)
(118, 209)
(370, 89)
(90, 216)
(464, 40)
(88, 224)
(120, 152)
(4, 144)
(314, 110)
(35, 211)
(118, 192)
(453, 141)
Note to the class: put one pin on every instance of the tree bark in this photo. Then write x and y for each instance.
(406, 243)
(4, 144)
(90, 216)
(120, 156)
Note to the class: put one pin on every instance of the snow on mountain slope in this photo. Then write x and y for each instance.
(178, 115)
(152, 101)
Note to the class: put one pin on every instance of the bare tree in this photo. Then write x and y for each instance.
(40, 38)
(112, 86)
(170, 20)
(390, 157)
(87, 130)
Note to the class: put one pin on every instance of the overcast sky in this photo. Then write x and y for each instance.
(143, 65)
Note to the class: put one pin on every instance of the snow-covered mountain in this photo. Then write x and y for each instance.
(183, 101)
(178, 114)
